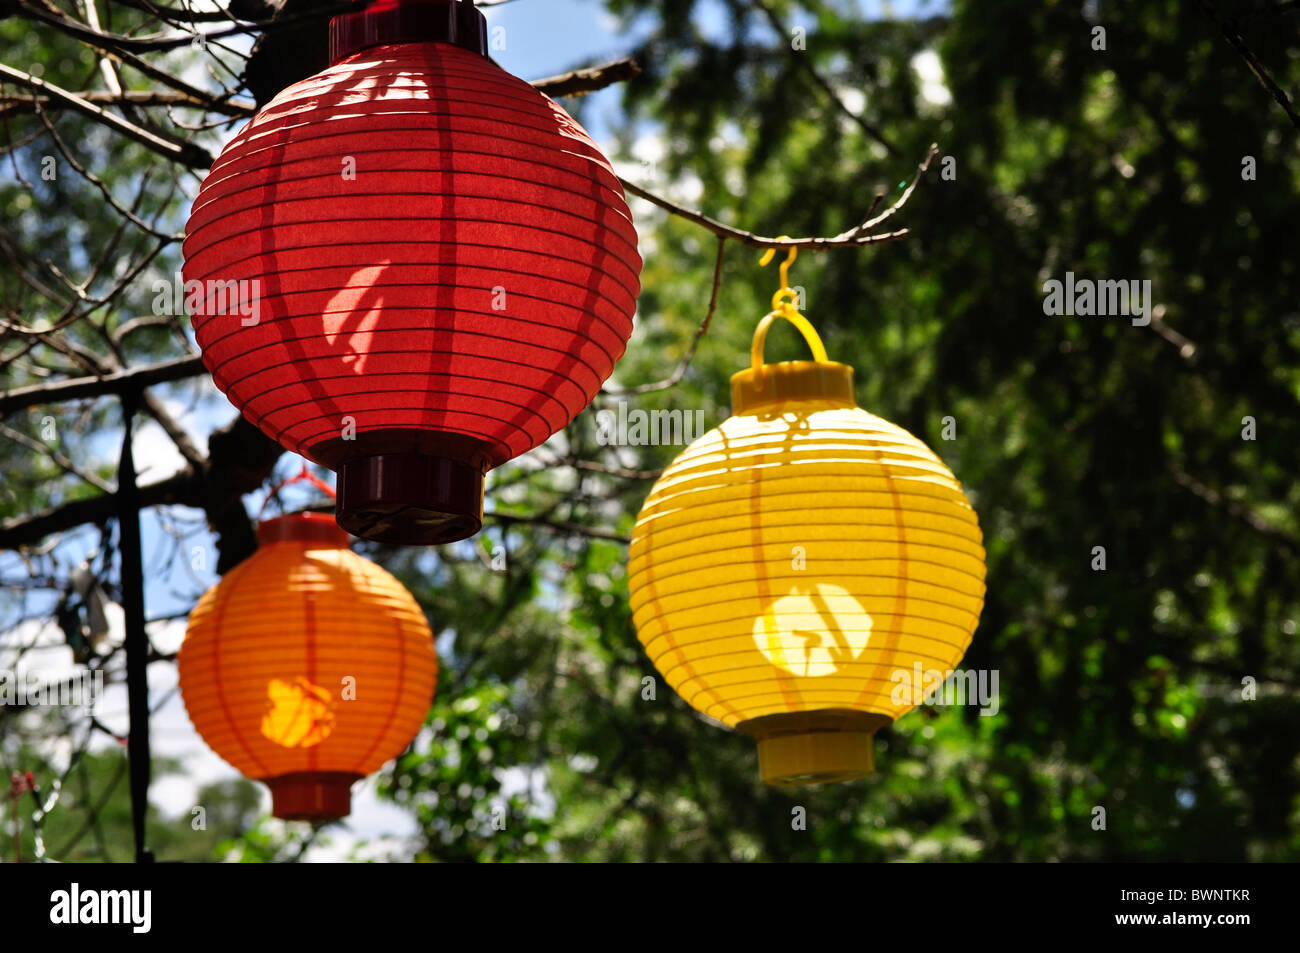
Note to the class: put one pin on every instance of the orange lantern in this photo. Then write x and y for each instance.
(307, 667)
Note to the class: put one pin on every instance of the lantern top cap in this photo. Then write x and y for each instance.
(302, 528)
(408, 21)
(772, 386)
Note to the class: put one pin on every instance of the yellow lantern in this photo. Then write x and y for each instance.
(792, 562)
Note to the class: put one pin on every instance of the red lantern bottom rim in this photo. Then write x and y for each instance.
(316, 796)
(410, 499)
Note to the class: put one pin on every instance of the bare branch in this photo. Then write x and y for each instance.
(15, 105)
(161, 44)
(805, 63)
(851, 238)
(118, 383)
(1229, 31)
(677, 374)
(92, 39)
(181, 488)
(98, 183)
(64, 464)
(186, 153)
(624, 473)
(1237, 511)
(177, 15)
(570, 529)
(579, 82)
(240, 460)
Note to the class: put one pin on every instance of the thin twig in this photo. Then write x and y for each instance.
(851, 238)
(804, 61)
(59, 459)
(1227, 28)
(186, 153)
(703, 329)
(579, 82)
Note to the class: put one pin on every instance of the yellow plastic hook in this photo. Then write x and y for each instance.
(790, 384)
(778, 300)
(784, 305)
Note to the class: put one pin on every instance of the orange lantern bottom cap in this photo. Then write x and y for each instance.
(815, 747)
(316, 796)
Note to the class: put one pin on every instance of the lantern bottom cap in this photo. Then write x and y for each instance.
(410, 499)
(805, 748)
(317, 796)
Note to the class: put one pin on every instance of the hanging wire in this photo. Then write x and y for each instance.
(302, 476)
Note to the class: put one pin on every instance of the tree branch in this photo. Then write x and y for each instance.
(62, 461)
(162, 44)
(1236, 510)
(240, 459)
(104, 45)
(805, 63)
(572, 529)
(195, 157)
(853, 237)
(680, 371)
(15, 105)
(135, 379)
(180, 488)
(579, 82)
(1228, 29)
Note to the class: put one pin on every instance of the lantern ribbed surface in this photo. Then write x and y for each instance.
(309, 663)
(789, 562)
(447, 266)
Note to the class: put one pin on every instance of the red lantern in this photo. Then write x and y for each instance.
(435, 268)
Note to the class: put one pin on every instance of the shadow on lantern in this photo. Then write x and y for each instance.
(816, 630)
(813, 630)
(298, 713)
(814, 633)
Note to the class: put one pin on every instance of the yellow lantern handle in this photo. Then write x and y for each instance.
(819, 382)
(804, 326)
(783, 306)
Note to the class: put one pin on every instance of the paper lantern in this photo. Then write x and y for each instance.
(436, 266)
(791, 562)
(307, 667)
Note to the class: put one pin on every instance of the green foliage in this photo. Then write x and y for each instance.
(91, 819)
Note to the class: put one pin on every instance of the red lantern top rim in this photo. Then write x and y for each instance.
(408, 21)
(302, 528)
